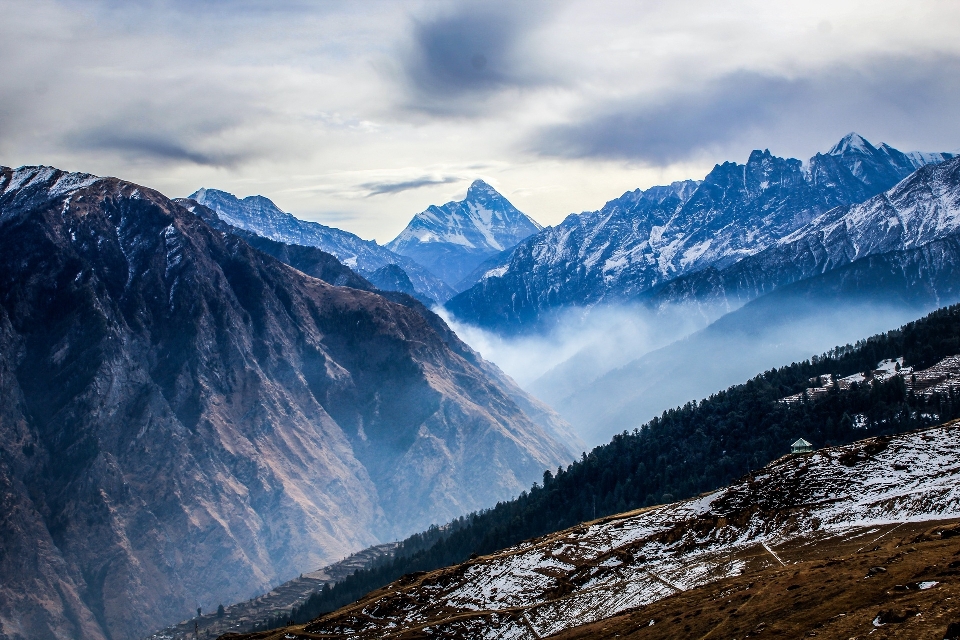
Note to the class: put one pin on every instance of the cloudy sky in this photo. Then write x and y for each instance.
(360, 114)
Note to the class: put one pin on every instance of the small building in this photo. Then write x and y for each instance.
(801, 446)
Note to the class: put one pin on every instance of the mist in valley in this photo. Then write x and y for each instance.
(613, 368)
(578, 344)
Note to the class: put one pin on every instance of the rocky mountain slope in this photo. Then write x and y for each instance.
(451, 240)
(889, 582)
(261, 216)
(187, 420)
(645, 239)
(545, 586)
(391, 282)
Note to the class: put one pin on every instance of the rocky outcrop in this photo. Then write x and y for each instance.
(188, 421)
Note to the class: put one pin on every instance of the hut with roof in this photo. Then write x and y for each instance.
(801, 446)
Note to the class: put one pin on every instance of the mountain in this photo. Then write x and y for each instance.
(392, 283)
(799, 513)
(261, 216)
(187, 420)
(645, 239)
(453, 239)
(921, 210)
(310, 260)
(854, 269)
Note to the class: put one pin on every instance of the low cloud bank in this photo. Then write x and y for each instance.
(590, 341)
(611, 369)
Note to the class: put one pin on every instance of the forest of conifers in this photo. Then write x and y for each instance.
(695, 448)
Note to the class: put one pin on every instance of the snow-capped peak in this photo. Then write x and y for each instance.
(851, 142)
(454, 238)
(479, 188)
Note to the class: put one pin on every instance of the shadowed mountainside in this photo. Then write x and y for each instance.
(188, 421)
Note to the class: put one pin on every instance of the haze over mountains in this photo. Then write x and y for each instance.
(188, 420)
(596, 537)
(570, 305)
(854, 270)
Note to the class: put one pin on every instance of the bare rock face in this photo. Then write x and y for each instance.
(187, 420)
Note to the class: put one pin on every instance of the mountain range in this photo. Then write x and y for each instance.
(188, 420)
(452, 240)
(262, 217)
(205, 396)
(646, 239)
(920, 210)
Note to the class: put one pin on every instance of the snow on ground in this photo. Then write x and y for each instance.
(598, 569)
(941, 378)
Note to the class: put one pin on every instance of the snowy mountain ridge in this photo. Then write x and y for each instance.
(922, 208)
(261, 216)
(645, 239)
(921, 211)
(453, 238)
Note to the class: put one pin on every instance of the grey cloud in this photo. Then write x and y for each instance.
(164, 134)
(471, 53)
(908, 98)
(381, 188)
(143, 145)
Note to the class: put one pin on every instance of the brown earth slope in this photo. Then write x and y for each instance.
(865, 583)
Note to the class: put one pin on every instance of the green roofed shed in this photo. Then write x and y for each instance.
(801, 446)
